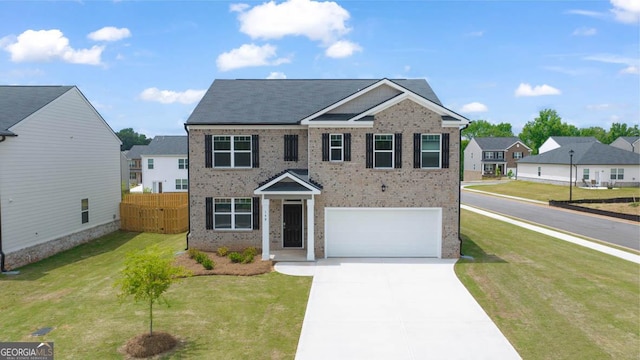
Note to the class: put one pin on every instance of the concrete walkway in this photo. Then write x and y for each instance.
(404, 309)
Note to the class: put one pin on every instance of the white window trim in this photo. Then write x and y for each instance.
(233, 214)
(392, 151)
(184, 184)
(517, 154)
(150, 164)
(185, 164)
(617, 174)
(341, 147)
(232, 151)
(83, 211)
(431, 151)
(585, 172)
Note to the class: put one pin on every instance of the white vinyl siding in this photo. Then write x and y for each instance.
(166, 172)
(63, 153)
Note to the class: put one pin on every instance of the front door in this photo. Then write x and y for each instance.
(292, 225)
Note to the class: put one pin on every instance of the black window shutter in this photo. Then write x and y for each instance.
(325, 147)
(255, 151)
(209, 213)
(347, 146)
(417, 155)
(208, 158)
(286, 148)
(291, 148)
(369, 145)
(398, 151)
(445, 150)
(256, 213)
(294, 146)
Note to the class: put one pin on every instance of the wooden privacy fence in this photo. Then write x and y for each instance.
(165, 213)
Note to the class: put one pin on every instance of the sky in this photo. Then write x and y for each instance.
(146, 64)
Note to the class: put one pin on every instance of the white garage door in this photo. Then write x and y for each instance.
(383, 232)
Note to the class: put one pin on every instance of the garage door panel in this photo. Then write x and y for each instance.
(383, 232)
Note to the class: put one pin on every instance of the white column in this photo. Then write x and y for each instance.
(311, 246)
(265, 229)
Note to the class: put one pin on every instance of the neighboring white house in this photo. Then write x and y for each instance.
(594, 164)
(554, 142)
(629, 143)
(165, 167)
(59, 173)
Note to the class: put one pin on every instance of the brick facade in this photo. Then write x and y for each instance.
(345, 184)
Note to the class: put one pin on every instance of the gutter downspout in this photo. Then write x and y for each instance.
(460, 187)
(2, 255)
(188, 190)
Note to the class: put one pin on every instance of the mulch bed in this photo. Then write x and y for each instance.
(145, 345)
(224, 266)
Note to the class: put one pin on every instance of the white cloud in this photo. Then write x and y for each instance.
(407, 68)
(109, 33)
(249, 55)
(342, 49)
(277, 75)
(630, 70)
(48, 45)
(538, 90)
(584, 31)
(474, 107)
(626, 11)
(476, 33)
(598, 106)
(169, 97)
(593, 14)
(318, 21)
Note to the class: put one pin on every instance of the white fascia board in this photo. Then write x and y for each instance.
(244, 127)
(306, 121)
(260, 190)
(341, 124)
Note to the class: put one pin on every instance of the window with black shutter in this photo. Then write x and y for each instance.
(291, 148)
(397, 151)
(256, 213)
(325, 147)
(347, 147)
(208, 154)
(255, 151)
(209, 213)
(369, 150)
(445, 150)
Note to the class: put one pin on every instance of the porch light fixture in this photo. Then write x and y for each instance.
(384, 187)
(570, 175)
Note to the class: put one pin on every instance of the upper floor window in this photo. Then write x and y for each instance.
(517, 155)
(383, 151)
(183, 163)
(488, 155)
(336, 146)
(132, 163)
(430, 151)
(617, 174)
(150, 164)
(499, 155)
(232, 151)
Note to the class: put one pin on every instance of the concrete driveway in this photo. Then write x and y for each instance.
(393, 309)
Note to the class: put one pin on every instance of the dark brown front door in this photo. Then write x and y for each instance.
(292, 225)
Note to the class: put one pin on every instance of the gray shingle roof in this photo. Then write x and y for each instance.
(497, 143)
(593, 153)
(135, 151)
(282, 101)
(18, 102)
(166, 145)
(564, 140)
(630, 139)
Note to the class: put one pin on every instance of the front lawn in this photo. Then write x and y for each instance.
(546, 192)
(216, 317)
(552, 299)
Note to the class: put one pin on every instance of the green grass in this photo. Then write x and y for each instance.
(217, 317)
(552, 299)
(546, 192)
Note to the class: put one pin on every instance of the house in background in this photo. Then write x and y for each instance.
(333, 168)
(165, 167)
(59, 173)
(483, 156)
(554, 142)
(594, 164)
(135, 164)
(629, 143)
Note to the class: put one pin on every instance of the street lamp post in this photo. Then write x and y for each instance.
(570, 175)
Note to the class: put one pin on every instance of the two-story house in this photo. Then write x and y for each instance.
(134, 158)
(165, 165)
(59, 173)
(492, 155)
(629, 143)
(339, 168)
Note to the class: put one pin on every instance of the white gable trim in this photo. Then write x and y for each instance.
(406, 95)
(261, 189)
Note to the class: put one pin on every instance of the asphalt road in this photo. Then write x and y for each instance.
(609, 230)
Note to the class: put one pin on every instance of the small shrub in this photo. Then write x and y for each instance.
(236, 257)
(193, 253)
(208, 263)
(201, 257)
(248, 258)
(222, 251)
(250, 251)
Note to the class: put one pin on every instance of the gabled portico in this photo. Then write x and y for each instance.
(294, 188)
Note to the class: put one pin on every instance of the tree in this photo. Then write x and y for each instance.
(130, 138)
(548, 123)
(596, 131)
(146, 276)
(483, 128)
(618, 129)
